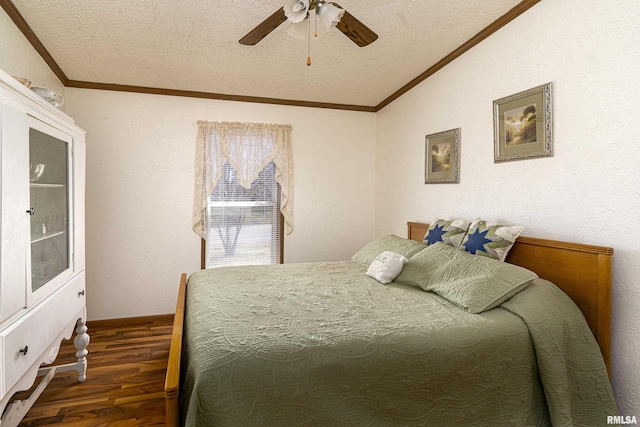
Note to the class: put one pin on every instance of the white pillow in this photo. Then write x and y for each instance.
(386, 266)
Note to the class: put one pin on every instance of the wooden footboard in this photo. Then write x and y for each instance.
(172, 381)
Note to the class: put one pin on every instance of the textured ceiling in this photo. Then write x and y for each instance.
(193, 45)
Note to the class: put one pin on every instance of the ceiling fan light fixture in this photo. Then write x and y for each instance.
(296, 11)
(329, 14)
(298, 30)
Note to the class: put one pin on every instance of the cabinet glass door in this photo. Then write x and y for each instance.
(49, 194)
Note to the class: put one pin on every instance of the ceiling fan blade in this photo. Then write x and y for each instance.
(359, 33)
(264, 28)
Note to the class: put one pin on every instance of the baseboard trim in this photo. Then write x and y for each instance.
(130, 321)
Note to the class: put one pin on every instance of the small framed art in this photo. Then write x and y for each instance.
(522, 125)
(442, 157)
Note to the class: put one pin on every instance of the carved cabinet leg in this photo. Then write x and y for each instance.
(81, 341)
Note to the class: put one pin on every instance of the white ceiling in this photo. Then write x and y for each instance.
(193, 45)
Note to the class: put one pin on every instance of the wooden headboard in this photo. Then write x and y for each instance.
(583, 272)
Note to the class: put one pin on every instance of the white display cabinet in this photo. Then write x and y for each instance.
(42, 280)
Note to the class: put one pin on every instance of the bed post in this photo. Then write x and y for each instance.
(604, 308)
(172, 380)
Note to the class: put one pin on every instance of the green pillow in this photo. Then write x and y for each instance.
(391, 243)
(474, 283)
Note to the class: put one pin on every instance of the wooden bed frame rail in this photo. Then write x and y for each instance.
(172, 380)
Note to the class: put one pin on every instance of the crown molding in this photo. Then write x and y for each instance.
(512, 14)
(23, 26)
(218, 96)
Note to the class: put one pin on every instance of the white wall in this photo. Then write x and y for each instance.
(140, 181)
(18, 58)
(588, 192)
(140, 158)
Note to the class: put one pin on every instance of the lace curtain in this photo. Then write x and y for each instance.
(248, 148)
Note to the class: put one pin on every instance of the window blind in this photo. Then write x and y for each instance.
(243, 225)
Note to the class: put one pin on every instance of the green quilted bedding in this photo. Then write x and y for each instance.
(322, 344)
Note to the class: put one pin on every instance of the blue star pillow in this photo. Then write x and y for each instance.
(492, 240)
(449, 232)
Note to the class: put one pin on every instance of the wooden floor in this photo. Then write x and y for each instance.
(125, 380)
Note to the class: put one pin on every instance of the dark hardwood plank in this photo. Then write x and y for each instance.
(125, 378)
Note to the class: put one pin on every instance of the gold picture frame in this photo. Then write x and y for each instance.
(522, 125)
(442, 157)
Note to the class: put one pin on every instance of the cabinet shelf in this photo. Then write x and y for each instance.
(42, 185)
(45, 237)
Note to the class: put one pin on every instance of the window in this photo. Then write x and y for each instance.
(243, 200)
(243, 225)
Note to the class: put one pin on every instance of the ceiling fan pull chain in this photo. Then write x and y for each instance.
(309, 43)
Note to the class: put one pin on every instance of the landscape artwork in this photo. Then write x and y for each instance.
(442, 157)
(522, 125)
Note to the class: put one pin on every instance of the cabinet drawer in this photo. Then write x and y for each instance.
(39, 328)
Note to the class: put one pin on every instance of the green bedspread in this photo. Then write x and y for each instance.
(322, 344)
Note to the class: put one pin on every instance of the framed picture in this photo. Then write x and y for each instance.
(522, 125)
(442, 157)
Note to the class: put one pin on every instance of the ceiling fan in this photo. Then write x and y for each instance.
(297, 12)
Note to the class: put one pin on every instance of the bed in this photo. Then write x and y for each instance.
(323, 344)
